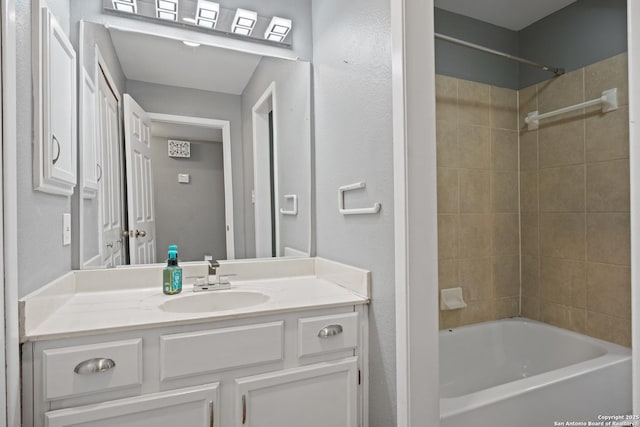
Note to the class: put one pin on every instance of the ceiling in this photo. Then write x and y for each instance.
(185, 132)
(512, 14)
(160, 60)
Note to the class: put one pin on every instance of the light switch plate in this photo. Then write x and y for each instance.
(66, 229)
(183, 178)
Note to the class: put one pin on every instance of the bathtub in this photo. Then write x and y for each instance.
(517, 372)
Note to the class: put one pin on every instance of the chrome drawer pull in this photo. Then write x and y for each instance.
(94, 366)
(329, 331)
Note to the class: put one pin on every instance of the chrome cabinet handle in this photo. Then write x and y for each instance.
(99, 170)
(94, 366)
(54, 139)
(244, 409)
(329, 331)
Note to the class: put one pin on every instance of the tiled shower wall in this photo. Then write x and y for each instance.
(575, 205)
(567, 222)
(477, 141)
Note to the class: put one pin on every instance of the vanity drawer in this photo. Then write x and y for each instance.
(73, 371)
(195, 353)
(325, 334)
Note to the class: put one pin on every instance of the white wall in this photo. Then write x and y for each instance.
(155, 98)
(353, 142)
(293, 123)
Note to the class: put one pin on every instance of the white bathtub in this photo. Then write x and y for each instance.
(517, 372)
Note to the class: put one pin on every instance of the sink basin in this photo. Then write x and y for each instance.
(213, 301)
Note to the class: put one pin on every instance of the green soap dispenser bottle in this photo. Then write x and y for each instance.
(172, 274)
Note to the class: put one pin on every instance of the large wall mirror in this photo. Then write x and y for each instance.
(188, 144)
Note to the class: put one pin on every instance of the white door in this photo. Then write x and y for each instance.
(109, 153)
(142, 221)
(192, 407)
(318, 395)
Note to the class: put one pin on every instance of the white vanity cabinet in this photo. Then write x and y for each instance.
(305, 368)
(55, 129)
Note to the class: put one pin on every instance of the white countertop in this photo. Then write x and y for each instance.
(65, 309)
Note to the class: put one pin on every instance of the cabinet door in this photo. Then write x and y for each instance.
(192, 407)
(55, 162)
(319, 395)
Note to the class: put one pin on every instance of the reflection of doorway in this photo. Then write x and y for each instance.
(204, 205)
(265, 175)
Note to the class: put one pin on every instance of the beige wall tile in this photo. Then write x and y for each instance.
(608, 186)
(476, 312)
(529, 234)
(475, 235)
(608, 328)
(528, 101)
(450, 319)
(608, 238)
(475, 279)
(504, 108)
(447, 148)
(562, 235)
(562, 91)
(530, 276)
(607, 135)
(529, 191)
(528, 150)
(530, 308)
(506, 236)
(608, 74)
(474, 103)
(555, 314)
(447, 98)
(504, 149)
(561, 143)
(561, 189)
(448, 274)
(609, 289)
(506, 276)
(505, 191)
(475, 147)
(475, 191)
(559, 278)
(447, 236)
(579, 320)
(507, 307)
(448, 190)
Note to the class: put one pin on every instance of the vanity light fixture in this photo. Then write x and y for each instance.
(167, 9)
(130, 6)
(207, 13)
(244, 22)
(278, 29)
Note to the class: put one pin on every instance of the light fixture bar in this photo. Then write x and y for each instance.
(130, 6)
(244, 22)
(278, 29)
(207, 13)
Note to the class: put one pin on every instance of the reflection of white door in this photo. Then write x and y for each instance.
(111, 242)
(142, 222)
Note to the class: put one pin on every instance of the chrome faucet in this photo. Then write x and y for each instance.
(214, 281)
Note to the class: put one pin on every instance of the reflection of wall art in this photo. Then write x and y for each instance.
(179, 148)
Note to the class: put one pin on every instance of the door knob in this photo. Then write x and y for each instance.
(141, 233)
(125, 233)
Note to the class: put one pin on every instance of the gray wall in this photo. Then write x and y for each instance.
(189, 215)
(582, 33)
(40, 214)
(297, 10)
(155, 98)
(353, 142)
(293, 123)
(464, 63)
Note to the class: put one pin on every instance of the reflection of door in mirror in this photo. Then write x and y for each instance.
(140, 208)
(111, 246)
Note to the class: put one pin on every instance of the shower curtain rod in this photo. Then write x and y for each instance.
(554, 70)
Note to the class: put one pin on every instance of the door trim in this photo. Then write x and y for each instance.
(225, 126)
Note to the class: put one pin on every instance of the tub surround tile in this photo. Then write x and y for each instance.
(504, 149)
(527, 102)
(474, 103)
(561, 143)
(562, 235)
(448, 191)
(608, 290)
(447, 148)
(447, 236)
(530, 276)
(568, 89)
(504, 191)
(529, 150)
(506, 276)
(475, 235)
(609, 328)
(506, 232)
(504, 105)
(608, 186)
(529, 234)
(562, 189)
(608, 238)
(475, 191)
(446, 98)
(530, 308)
(578, 320)
(448, 274)
(507, 307)
(562, 281)
(608, 74)
(475, 146)
(555, 314)
(475, 279)
(529, 191)
(607, 135)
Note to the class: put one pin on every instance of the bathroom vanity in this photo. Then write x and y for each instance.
(286, 345)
